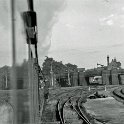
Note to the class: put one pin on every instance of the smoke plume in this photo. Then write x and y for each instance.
(47, 13)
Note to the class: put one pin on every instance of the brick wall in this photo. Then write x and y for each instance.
(82, 81)
(75, 79)
(106, 77)
(114, 74)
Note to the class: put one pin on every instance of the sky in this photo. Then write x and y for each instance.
(87, 31)
(81, 32)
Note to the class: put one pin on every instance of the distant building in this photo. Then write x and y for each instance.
(114, 64)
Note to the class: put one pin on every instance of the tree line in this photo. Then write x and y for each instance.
(57, 67)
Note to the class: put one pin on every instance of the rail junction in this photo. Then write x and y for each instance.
(69, 107)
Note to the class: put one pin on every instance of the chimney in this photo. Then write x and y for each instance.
(107, 60)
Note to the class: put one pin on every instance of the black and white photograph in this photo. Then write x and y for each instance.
(61, 61)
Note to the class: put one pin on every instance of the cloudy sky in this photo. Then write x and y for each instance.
(81, 32)
(89, 30)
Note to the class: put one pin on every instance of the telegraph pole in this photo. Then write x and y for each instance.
(6, 80)
(69, 78)
(68, 72)
(51, 72)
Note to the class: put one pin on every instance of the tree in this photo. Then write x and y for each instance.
(50, 63)
(71, 67)
(57, 67)
(93, 72)
(62, 71)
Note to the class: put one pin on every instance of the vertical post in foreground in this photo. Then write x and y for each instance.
(13, 73)
(33, 75)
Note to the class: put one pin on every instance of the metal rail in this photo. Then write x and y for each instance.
(80, 111)
(122, 91)
(61, 103)
(60, 112)
(118, 93)
(76, 107)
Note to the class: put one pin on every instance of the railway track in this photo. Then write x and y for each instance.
(70, 111)
(58, 105)
(82, 111)
(61, 103)
(51, 108)
(122, 91)
(118, 94)
(76, 107)
(70, 108)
